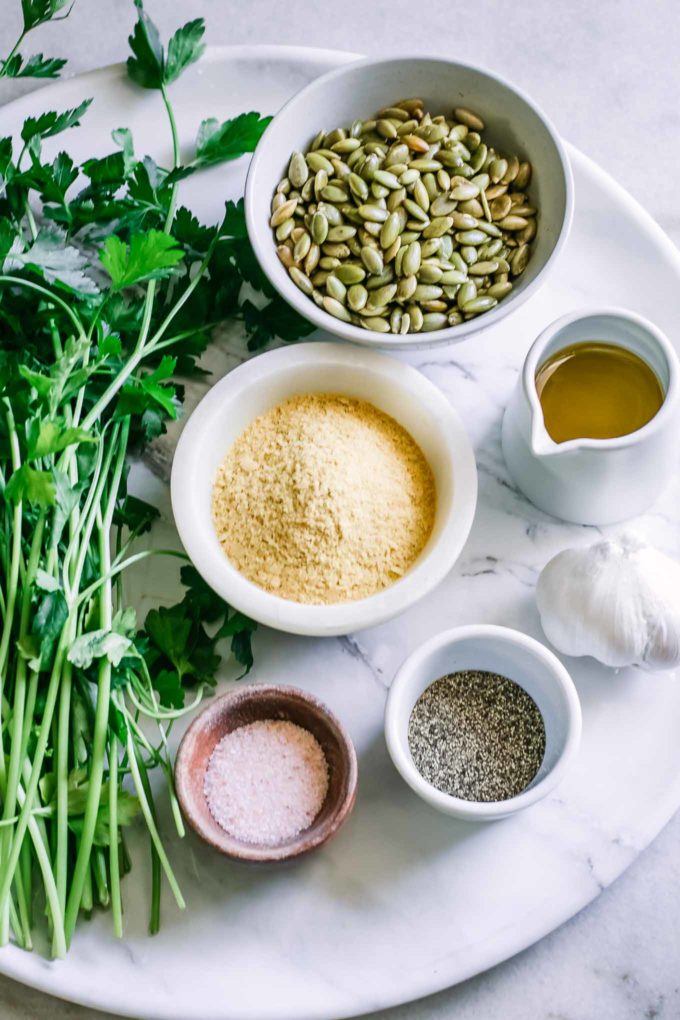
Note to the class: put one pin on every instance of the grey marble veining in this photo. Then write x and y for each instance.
(607, 72)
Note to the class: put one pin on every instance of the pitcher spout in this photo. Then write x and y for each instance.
(541, 443)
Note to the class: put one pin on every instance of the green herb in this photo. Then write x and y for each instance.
(35, 12)
(109, 293)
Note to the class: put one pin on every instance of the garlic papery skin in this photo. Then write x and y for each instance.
(617, 600)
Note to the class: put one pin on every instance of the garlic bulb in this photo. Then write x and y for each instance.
(618, 601)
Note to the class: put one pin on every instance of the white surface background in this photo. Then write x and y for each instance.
(608, 73)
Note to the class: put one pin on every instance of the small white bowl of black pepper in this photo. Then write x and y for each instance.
(482, 721)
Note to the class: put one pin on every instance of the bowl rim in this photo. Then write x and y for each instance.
(307, 840)
(397, 740)
(343, 617)
(265, 252)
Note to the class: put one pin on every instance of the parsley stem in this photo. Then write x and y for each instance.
(6, 62)
(114, 864)
(101, 720)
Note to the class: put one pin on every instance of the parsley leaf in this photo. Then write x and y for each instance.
(53, 123)
(58, 262)
(37, 12)
(146, 66)
(149, 256)
(135, 514)
(149, 66)
(31, 485)
(218, 143)
(46, 437)
(35, 66)
(276, 319)
(184, 49)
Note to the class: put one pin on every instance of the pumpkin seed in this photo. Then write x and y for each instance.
(315, 161)
(336, 308)
(336, 289)
(349, 274)
(467, 293)
(499, 290)
(467, 237)
(383, 295)
(300, 280)
(387, 179)
(312, 259)
(519, 260)
(405, 324)
(357, 296)
(386, 128)
(412, 259)
(332, 214)
(513, 222)
(416, 212)
(464, 192)
(285, 255)
(434, 320)
(429, 273)
(338, 251)
(302, 246)
(479, 304)
(467, 117)
(283, 212)
(489, 228)
(390, 229)
(373, 213)
(377, 324)
(406, 288)
(529, 232)
(483, 268)
(439, 226)
(345, 145)
(512, 171)
(425, 164)
(298, 170)
(393, 250)
(443, 206)
(285, 229)
(453, 277)
(373, 260)
(358, 186)
(427, 292)
(523, 176)
(498, 169)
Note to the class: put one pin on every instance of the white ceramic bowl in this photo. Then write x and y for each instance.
(498, 650)
(261, 383)
(513, 124)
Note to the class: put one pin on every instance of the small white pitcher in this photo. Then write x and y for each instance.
(594, 481)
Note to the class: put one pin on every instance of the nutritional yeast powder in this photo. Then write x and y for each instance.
(324, 499)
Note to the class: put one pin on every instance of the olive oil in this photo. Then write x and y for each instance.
(596, 390)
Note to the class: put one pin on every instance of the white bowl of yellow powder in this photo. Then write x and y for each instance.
(321, 489)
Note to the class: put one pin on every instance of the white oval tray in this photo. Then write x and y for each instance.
(404, 901)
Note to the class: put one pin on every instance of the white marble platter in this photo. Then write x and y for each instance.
(404, 901)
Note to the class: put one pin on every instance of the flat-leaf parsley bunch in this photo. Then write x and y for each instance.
(109, 291)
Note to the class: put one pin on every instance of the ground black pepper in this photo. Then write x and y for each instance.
(477, 735)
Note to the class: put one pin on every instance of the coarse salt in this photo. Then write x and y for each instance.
(266, 781)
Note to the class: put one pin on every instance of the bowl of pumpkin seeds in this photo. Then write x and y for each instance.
(408, 202)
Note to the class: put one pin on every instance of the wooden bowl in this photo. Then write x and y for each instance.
(251, 704)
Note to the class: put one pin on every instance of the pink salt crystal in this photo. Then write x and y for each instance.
(266, 782)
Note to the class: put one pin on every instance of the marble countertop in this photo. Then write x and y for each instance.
(607, 74)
